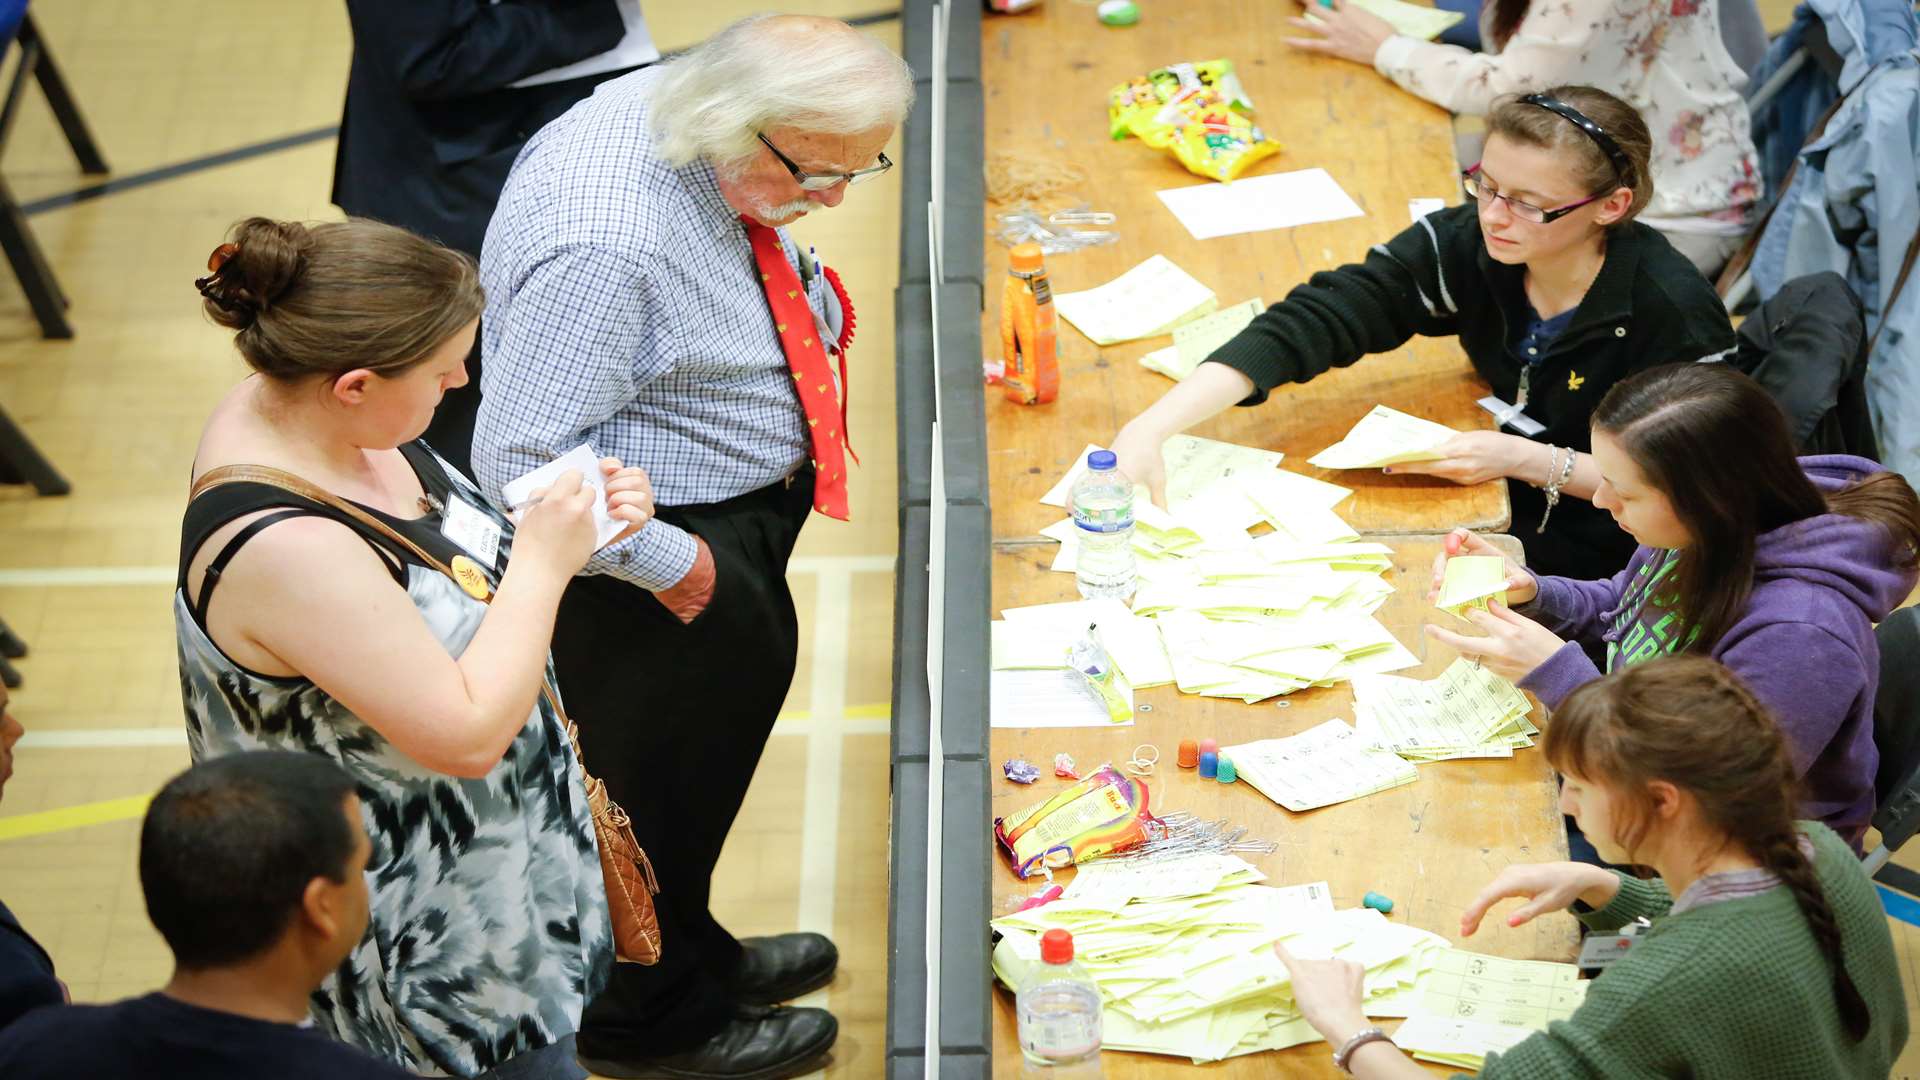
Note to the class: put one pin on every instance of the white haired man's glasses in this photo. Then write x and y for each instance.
(822, 181)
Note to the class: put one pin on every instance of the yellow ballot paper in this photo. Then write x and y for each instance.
(1146, 301)
(1385, 437)
(1195, 341)
(1470, 582)
(1413, 20)
(1467, 712)
(1318, 767)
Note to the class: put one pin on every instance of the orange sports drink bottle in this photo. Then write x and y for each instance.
(1032, 375)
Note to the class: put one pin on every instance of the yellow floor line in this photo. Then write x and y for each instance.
(73, 817)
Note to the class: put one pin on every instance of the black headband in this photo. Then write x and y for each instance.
(1622, 167)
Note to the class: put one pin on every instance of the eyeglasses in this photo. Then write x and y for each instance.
(1478, 191)
(822, 181)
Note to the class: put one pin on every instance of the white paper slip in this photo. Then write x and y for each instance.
(580, 459)
(634, 48)
(1276, 201)
(1385, 437)
(1419, 208)
(1146, 301)
(1050, 698)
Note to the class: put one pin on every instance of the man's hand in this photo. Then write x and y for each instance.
(691, 595)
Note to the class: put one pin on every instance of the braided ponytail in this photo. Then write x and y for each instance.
(1780, 852)
(1690, 722)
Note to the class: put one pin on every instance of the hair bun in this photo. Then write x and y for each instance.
(251, 271)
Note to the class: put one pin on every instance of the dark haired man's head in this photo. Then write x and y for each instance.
(10, 732)
(257, 857)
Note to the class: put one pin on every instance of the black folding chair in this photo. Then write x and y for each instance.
(1896, 731)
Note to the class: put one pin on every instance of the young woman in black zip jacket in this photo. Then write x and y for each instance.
(1555, 292)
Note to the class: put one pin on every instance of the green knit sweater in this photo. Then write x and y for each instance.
(1734, 989)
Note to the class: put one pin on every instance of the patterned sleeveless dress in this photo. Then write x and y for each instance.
(489, 927)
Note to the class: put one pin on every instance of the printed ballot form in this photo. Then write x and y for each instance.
(1195, 341)
(1146, 301)
(1321, 766)
(1385, 437)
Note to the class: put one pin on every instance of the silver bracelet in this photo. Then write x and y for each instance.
(1557, 477)
(1360, 1038)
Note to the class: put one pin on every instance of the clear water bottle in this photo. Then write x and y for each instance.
(1059, 1012)
(1102, 502)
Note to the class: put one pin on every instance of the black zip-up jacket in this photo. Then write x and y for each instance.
(1648, 306)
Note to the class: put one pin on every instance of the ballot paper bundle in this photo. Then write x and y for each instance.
(1220, 612)
(1182, 951)
(1467, 712)
(1321, 766)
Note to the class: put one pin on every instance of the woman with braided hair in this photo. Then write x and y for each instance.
(1768, 955)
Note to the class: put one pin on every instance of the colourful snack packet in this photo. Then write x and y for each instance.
(1105, 813)
(1198, 112)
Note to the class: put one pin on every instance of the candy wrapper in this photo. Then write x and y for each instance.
(1088, 656)
(1198, 112)
(1105, 813)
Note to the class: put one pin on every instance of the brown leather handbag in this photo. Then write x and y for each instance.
(630, 883)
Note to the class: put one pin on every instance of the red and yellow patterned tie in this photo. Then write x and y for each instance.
(807, 355)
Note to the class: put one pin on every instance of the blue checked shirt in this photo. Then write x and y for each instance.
(624, 310)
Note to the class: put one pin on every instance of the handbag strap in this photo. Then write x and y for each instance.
(286, 481)
(1899, 282)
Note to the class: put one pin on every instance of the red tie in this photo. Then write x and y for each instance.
(807, 355)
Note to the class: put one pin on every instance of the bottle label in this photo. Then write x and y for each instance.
(1042, 292)
(1104, 521)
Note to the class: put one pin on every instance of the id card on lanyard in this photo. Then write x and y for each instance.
(1514, 415)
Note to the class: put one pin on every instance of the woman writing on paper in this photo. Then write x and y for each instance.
(1776, 566)
(304, 628)
(1554, 291)
(1769, 955)
(1666, 60)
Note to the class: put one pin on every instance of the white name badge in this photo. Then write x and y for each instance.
(1600, 950)
(1510, 416)
(467, 525)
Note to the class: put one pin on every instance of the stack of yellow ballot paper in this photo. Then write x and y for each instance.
(1321, 766)
(1146, 301)
(1466, 712)
(1241, 616)
(1469, 1006)
(1182, 951)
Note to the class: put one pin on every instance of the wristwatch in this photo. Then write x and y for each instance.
(1358, 1040)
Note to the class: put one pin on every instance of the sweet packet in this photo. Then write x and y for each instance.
(1197, 111)
(1102, 814)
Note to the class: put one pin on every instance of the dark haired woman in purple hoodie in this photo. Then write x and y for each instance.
(1774, 565)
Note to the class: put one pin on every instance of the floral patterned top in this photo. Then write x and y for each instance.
(489, 929)
(1664, 57)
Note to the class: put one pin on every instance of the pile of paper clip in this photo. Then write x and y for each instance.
(1055, 232)
(1183, 833)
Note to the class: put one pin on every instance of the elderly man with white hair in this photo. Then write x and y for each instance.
(642, 298)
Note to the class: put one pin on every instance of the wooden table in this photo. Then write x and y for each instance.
(1045, 76)
(1430, 845)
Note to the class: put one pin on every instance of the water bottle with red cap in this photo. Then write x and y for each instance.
(1059, 1009)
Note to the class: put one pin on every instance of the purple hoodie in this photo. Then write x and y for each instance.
(1804, 645)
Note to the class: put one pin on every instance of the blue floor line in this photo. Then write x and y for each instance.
(1899, 905)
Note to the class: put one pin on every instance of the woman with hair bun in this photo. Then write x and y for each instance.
(1554, 291)
(1769, 956)
(302, 627)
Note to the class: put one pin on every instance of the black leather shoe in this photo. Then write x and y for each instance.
(782, 967)
(759, 1043)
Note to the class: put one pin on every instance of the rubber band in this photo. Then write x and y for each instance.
(1141, 765)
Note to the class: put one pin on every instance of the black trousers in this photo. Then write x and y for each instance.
(674, 718)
